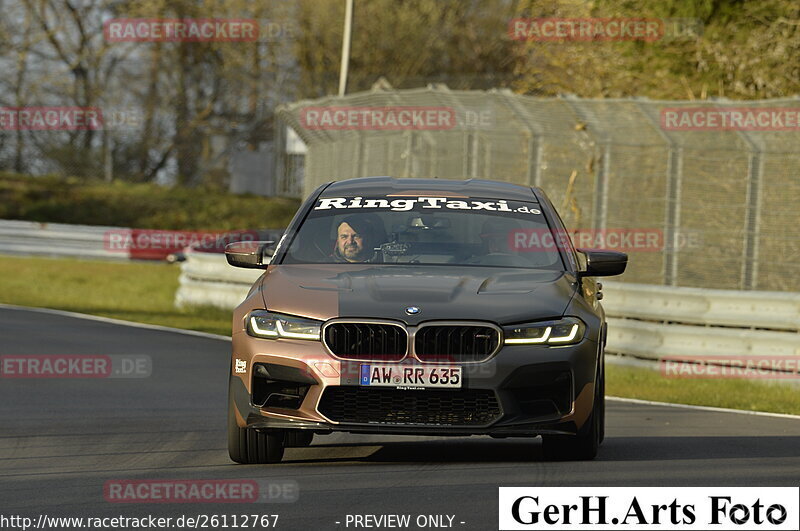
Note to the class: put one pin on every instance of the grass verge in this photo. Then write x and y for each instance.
(139, 291)
(648, 384)
(144, 292)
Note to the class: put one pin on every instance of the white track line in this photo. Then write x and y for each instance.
(704, 408)
(226, 338)
(115, 321)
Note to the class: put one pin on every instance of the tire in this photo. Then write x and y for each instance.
(249, 446)
(297, 438)
(584, 445)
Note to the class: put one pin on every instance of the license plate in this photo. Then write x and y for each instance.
(380, 375)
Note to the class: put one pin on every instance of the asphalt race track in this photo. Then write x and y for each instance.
(61, 440)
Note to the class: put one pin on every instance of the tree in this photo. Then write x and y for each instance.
(745, 51)
(409, 42)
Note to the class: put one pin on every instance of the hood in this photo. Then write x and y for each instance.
(500, 295)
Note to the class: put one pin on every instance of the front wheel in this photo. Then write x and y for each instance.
(250, 446)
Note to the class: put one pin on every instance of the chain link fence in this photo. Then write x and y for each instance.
(725, 199)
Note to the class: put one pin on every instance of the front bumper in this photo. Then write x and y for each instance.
(538, 390)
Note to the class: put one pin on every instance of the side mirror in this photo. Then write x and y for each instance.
(253, 255)
(600, 263)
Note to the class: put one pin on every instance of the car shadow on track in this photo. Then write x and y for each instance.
(529, 450)
(700, 447)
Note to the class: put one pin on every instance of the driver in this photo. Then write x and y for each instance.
(356, 239)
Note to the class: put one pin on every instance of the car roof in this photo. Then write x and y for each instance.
(380, 186)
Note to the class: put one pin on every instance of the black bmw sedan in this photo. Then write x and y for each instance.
(420, 306)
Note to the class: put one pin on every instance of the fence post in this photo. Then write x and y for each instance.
(673, 214)
(752, 220)
(469, 155)
(752, 216)
(601, 200)
(471, 138)
(600, 204)
(361, 156)
(441, 92)
(407, 169)
(672, 209)
(534, 169)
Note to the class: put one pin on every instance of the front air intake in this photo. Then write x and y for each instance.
(366, 341)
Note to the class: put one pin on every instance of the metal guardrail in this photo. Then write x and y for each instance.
(708, 326)
(645, 322)
(658, 341)
(89, 241)
(57, 239)
(712, 307)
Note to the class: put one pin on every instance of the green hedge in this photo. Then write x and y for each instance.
(147, 206)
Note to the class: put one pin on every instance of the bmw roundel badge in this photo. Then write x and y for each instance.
(412, 310)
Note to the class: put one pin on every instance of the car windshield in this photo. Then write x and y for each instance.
(427, 230)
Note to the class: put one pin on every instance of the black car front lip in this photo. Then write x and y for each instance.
(496, 430)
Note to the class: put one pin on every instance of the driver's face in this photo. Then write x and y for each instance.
(349, 243)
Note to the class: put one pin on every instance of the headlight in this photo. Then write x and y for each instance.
(270, 325)
(562, 332)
